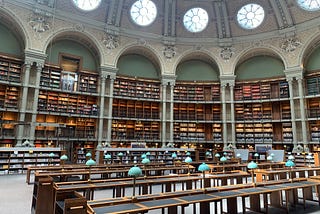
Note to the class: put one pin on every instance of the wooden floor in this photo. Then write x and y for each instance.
(16, 195)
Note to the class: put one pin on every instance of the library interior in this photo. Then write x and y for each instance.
(149, 106)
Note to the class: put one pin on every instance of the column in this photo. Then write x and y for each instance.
(23, 104)
(293, 116)
(302, 112)
(171, 112)
(164, 113)
(109, 126)
(224, 115)
(101, 109)
(35, 102)
(233, 123)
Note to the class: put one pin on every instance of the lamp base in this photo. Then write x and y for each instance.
(134, 199)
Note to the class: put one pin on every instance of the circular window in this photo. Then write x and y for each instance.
(195, 20)
(87, 5)
(250, 16)
(309, 5)
(143, 12)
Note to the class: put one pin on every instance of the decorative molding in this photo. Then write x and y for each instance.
(39, 21)
(290, 44)
(226, 53)
(142, 41)
(78, 27)
(169, 51)
(48, 3)
(110, 41)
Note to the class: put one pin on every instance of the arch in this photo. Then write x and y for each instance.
(11, 21)
(202, 55)
(197, 70)
(260, 51)
(145, 51)
(312, 44)
(89, 41)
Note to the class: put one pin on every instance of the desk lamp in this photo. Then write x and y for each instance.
(120, 155)
(188, 160)
(134, 171)
(108, 158)
(252, 165)
(217, 156)
(51, 156)
(290, 164)
(63, 158)
(309, 157)
(203, 168)
(223, 159)
(270, 158)
(239, 157)
(145, 162)
(90, 163)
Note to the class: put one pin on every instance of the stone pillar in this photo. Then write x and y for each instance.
(224, 115)
(302, 113)
(164, 113)
(23, 104)
(101, 109)
(233, 123)
(293, 116)
(171, 113)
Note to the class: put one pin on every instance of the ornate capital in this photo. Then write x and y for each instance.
(108, 72)
(294, 73)
(168, 80)
(32, 57)
(227, 80)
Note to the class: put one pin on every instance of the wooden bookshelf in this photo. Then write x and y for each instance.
(312, 84)
(16, 160)
(197, 92)
(271, 89)
(67, 103)
(135, 130)
(9, 96)
(137, 88)
(10, 69)
(189, 131)
(8, 123)
(254, 132)
(51, 77)
(314, 127)
(88, 82)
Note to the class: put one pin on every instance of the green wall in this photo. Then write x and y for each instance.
(70, 47)
(197, 70)
(134, 65)
(9, 42)
(313, 62)
(260, 67)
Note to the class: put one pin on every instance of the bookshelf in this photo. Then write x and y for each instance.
(137, 89)
(197, 91)
(9, 96)
(17, 160)
(67, 103)
(50, 77)
(189, 131)
(312, 84)
(8, 124)
(88, 82)
(314, 127)
(271, 89)
(10, 69)
(254, 132)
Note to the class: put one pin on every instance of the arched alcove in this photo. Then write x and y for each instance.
(12, 46)
(313, 61)
(197, 70)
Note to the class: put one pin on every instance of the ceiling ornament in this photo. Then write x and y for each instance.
(39, 23)
(48, 3)
(290, 44)
(169, 51)
(79, 27)
(110, 41)
(226, 53)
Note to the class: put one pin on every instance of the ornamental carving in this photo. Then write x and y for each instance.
(290, 44)
(169, 51)
(79, 27)
(39, 23)
(110, 41)
(226, 53)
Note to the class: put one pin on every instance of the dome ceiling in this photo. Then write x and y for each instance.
(280, 18)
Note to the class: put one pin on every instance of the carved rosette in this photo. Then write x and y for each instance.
(110, 41)
(290, 44)
(169, 51)
(78, 27)
(226, 53)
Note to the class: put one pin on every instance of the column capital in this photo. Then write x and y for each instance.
(168, 80)
(32, 56)
(294, 73)
(110, 72)
(227, 80)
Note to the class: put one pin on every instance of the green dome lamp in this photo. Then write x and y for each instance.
(290, 164)
(252, 166)
(188, 160)
(120, 155)
(63, 159)
(239, 158)
(107, 157)
(203, 168)
(223, 159)
(134, 171)
(256, 156)
(90, 163)
(174, 156)
(145, 162)
(217, 156)
(51, 156)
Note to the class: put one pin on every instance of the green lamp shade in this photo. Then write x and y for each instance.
(208, 153)
(51, 155)
(238, 155)
(107, 156)
(203, 167)
(272, 154)
(188, 160)
(174, 155)
(256, 154)
(291, 157)
(89, 154)
(90, 162)
(217, 155)
(289, 163)
(120, 154)
(145, 161)
(188, 153)
(223, 159)
(269, 158)
(225, 153)
(143, 156)
(64, 157)
(148, 153)
(252, 165)
(135, 171)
